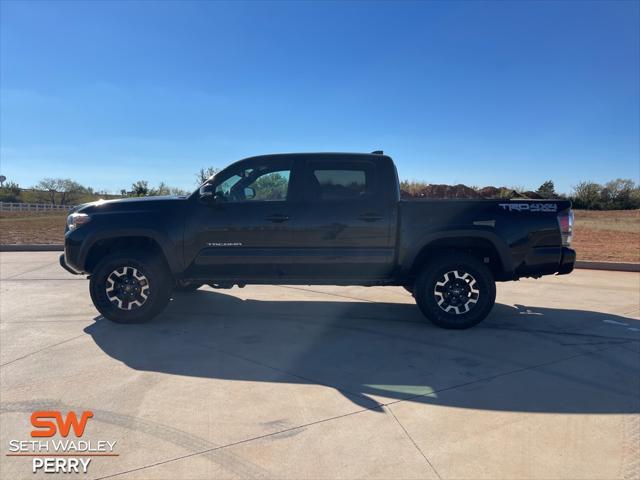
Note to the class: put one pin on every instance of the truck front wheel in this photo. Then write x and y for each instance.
(130, 287)
(455, 291)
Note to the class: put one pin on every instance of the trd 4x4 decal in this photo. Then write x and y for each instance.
(529, 207)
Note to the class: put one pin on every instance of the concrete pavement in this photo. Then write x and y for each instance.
(329, 382)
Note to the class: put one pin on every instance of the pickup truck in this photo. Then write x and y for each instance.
(314, 218)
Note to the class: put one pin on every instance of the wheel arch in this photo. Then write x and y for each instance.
(100, 246)
(482, 245)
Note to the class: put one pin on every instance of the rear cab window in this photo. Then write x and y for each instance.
(339, 180)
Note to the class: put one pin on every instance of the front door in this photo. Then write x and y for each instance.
(245, 232)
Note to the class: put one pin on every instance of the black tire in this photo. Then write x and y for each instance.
(187, 286)
(466, 291)
(156, 285)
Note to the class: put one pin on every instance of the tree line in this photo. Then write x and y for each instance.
(141, 188)
(618, 194)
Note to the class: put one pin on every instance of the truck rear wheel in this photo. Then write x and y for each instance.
(130, 287)
(455, 291)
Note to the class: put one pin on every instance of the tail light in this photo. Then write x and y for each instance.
(565, 221)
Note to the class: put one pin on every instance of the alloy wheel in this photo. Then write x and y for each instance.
(456, 292)
(127, 288)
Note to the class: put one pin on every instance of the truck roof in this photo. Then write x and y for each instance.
(334, 156)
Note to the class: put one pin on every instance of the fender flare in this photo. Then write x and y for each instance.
(165, 244)
(498, 243)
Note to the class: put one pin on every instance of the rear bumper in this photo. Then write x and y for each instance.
(567, 261)
(547, 261)
(63, 264)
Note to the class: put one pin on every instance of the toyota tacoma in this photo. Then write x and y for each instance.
(314, 218)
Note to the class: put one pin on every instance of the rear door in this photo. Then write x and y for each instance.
(344, 227)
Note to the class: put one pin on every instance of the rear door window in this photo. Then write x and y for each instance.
(339, 181)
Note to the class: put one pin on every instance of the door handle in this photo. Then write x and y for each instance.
(370, 217)
(277, 218)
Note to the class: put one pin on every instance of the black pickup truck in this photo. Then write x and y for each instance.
(314, 218)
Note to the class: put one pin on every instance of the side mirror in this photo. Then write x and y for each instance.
(249, 193)
(207, 193)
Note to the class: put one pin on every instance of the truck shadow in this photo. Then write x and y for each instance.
(519, 359)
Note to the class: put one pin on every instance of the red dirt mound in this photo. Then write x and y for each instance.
(443, 191)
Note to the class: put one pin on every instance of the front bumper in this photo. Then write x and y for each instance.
(567, 261)
(63, 264)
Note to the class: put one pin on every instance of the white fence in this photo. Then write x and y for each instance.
(32, 207)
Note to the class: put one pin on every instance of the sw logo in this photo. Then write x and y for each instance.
(45, 427)
(47, 424)
(60, 455)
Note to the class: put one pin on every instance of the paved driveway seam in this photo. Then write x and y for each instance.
(28, 271)
(414, 443)
(42, 349)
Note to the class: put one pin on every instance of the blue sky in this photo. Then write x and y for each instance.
(505, 93)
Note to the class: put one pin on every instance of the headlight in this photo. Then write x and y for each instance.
(75, 220)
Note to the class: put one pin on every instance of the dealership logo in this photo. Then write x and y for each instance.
(61, 455)
(47, 428)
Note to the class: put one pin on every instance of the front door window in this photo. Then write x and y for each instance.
(266, 184)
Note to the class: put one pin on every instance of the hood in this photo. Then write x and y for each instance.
(130, 203)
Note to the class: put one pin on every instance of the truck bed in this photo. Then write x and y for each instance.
(523, 235)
